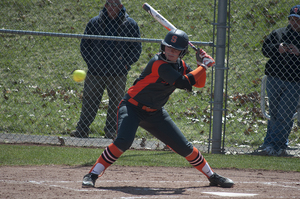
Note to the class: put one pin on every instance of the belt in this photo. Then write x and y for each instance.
(145, 108)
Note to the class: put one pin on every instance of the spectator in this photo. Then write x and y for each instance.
(143, 106)
(282, 46)
(108, 65)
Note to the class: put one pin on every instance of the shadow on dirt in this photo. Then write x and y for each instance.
(134, 190)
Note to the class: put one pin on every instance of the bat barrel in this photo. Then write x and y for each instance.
(162, 20)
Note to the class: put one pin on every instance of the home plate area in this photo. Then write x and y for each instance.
(143, 182)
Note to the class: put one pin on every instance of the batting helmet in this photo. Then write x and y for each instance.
(176, 39)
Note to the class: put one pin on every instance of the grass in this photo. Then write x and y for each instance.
(21, 155)
(39, 97)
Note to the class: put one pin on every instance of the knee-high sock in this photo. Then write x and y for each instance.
(198, 161)
(107, 158)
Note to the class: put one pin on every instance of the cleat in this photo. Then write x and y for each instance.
(216, 180)
(89, 180)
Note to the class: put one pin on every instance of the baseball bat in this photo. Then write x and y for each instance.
(163, 21)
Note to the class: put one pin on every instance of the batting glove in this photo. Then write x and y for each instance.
(204, 59)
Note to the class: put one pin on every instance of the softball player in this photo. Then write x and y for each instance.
(143, 106)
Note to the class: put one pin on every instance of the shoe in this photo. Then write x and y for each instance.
(259, 150)
(291, 148)
(206, 59)
(89, 180)
(79, 134)
(272, 152)
(264, 150)
(261, 147)
(216, 180)
(282, 152)
(269, 150)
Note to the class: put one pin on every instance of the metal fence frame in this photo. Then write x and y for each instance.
(219, 81)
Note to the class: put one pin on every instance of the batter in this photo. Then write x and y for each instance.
(143, 105)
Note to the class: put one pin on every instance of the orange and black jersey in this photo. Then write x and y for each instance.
(158, 81)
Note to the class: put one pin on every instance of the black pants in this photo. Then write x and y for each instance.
(158, 123)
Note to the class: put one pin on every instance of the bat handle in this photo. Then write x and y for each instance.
(194, 47)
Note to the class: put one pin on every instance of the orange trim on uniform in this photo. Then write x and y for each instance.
(200, 77)
(148, 109)
(145, 108)
(108, 156)
(197, 160)
(134, 102)
(193, 155)
(187, 78)
(140, 85)
(151, 78)
(184, 66)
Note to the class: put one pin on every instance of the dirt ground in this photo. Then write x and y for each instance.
(143, 182)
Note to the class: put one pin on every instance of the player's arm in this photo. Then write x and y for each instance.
(183, 83)
(168, 74)
(197, 77)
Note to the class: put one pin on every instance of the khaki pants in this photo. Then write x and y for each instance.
(94, 87)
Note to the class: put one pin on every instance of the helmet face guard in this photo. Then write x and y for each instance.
(176, 39)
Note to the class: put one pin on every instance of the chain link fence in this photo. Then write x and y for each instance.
(247, 100)
(40, 102)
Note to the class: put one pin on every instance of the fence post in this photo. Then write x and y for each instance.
(219, 77)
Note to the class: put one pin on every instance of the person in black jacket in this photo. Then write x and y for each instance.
(143, 105)
(282, 46)
(108, 64)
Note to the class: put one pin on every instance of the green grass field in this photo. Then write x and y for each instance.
(39, 97)
(16, 155)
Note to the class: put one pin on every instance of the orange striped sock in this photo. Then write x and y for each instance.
(198, 161)
(107, 158)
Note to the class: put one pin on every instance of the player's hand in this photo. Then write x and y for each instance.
(203, 58)
(293, 50)
(283, 48)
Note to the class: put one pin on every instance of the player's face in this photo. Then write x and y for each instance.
(113, 8)
(172, 54)
(295, 23)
